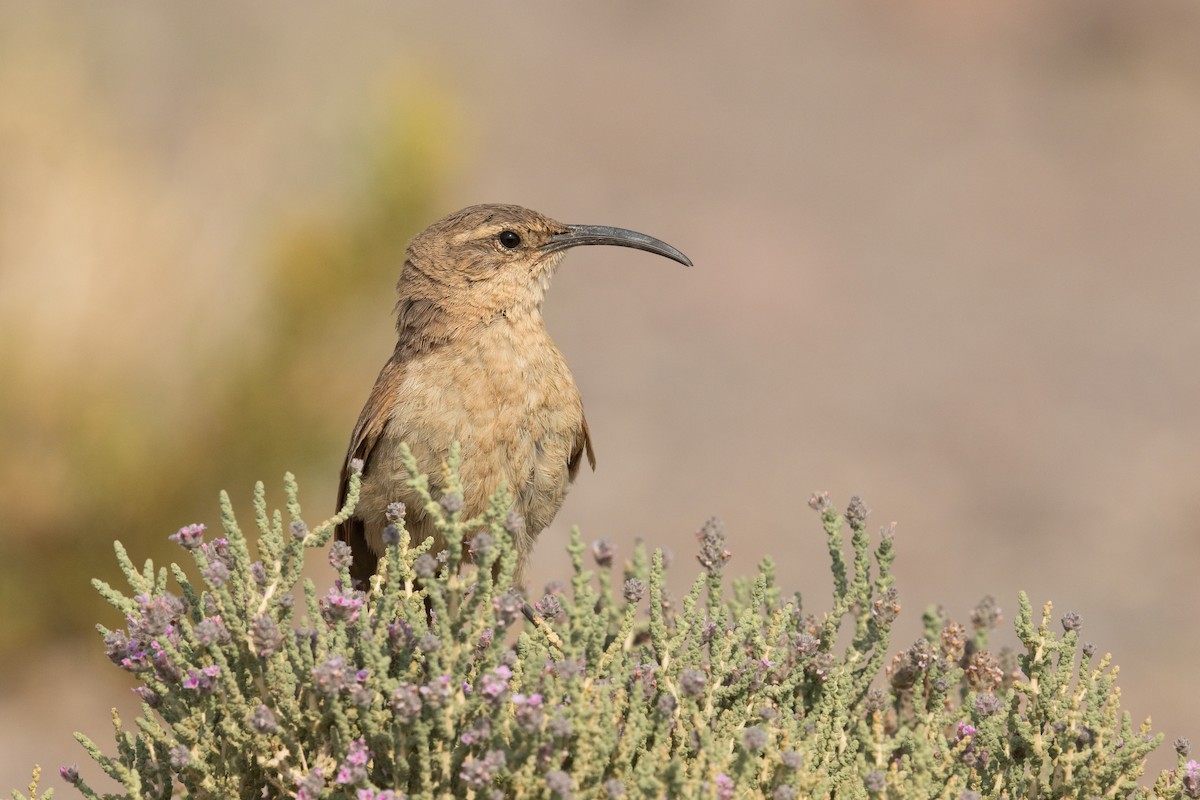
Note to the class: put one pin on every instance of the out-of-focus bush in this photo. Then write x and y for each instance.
(117, 414)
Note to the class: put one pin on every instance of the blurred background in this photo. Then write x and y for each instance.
(946, 258)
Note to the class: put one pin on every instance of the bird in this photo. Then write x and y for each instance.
(474, 364)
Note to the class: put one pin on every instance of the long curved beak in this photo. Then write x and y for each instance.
(578, 235)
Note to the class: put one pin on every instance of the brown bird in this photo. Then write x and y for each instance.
(474, 364)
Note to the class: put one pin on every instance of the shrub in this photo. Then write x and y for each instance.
(442, 681)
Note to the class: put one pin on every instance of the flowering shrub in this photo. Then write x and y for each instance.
(442, 680)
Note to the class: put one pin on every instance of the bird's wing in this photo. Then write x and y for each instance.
(583, 443)
(367, 432)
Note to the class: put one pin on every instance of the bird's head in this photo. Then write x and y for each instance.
(492, 260)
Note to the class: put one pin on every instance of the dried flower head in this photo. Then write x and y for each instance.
(856, 513)
(692, 681)
(986, 614)
(634, 590)
(603, 551)
(549, 607)
(713, 554)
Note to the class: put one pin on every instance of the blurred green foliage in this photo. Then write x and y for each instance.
(94, 452)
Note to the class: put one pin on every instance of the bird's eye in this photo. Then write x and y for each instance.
(510, 239)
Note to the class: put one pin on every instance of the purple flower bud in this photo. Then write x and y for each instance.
(875, 781)
(425, 566)
(263, 720)
(218, 550)
(353, 768)
(754, 739)
(395, 512)
(362, 696)
(70, 774)
(329, 677)
(299, 529)
(486, 637)
(494, 684)
(438, 691)
(265, 635)
(1190, 776)
(481, 546)
(480, 731)
(452, 503)
(189, 536)
(391, 535)
(406, 702)
(508, 607)
(211, 631)
(478, 773)
(202, 681)
(179, 757)
(988, 704)
(343, 605)
(156, 616)
(216, 574)
(528, 712)
(340, 556)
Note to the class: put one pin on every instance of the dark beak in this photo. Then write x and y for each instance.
(578, 235)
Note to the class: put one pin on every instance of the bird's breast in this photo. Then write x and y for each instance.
(509, 398)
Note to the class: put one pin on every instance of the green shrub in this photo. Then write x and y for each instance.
(442, 682)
